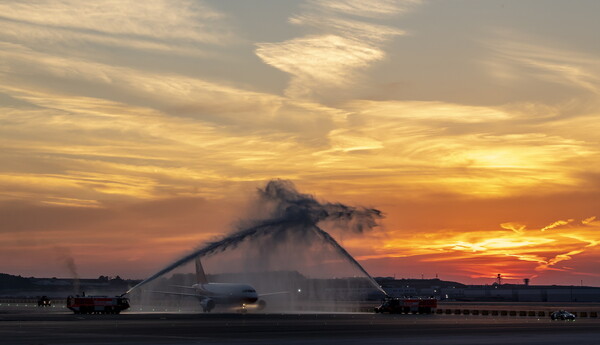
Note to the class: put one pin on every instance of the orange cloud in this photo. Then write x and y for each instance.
(480, 253)
(516, 227)
(556, 224)
(589, 220)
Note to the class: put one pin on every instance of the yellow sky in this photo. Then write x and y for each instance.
(473, 113)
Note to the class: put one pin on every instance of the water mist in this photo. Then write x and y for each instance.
(284, 249)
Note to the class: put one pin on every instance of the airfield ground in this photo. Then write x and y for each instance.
(20, 325)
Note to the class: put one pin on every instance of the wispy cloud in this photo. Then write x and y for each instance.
(343, 47)
(315, 61)
(371, 9)
(143, 24)
(589, 220)
(515, 60)
(516, 227)
(354, 29)
(458, 148)
(172, 94)
(61, 148)
(557, 224)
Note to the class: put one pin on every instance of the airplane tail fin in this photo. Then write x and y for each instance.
(200, 276)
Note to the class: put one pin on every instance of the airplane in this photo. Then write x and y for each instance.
(211, 294)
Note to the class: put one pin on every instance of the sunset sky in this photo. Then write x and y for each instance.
(133, 131)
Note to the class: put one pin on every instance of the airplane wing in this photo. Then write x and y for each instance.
(272, 293)
(180, 294)
(184, 287)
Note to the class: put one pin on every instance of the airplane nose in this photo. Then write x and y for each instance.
(251, 298)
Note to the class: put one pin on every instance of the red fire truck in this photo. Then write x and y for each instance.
(407, 305)
(97, 304)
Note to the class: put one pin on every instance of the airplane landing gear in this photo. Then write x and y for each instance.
(207, 305)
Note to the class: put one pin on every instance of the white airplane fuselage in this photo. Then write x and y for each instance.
(227, 293)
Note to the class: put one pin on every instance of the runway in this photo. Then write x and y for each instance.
(59, 327)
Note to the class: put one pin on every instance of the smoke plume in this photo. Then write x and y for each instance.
(289, 214)
(65, 257)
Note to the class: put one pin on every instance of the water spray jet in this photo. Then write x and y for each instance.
(289, 213)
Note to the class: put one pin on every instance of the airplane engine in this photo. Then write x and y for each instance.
(261, 305)
(207, 304)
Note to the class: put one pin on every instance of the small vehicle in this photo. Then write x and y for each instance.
(44, 301)
(562, 315)
(407, 305)
(97, 304)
